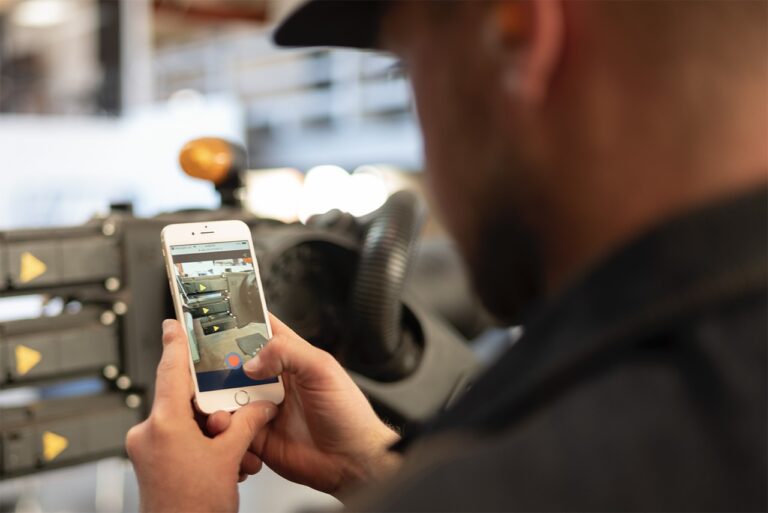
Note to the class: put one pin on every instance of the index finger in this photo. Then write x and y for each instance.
(173, 385)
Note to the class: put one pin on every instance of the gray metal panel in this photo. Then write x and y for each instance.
(65, 351)
(3, 264)
(211, 308)
(207, 284)
(47, 252)
(89, 348)
(92, 426)
(106, 431)
(46, 344)
(3, 361)
(73, 429)
(88, 259)
(18, 451)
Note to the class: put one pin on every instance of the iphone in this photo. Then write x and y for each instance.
(218, 297)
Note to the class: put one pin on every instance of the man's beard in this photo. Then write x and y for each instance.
(506, 269)
(503, 258)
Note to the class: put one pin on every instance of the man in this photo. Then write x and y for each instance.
(602, 165)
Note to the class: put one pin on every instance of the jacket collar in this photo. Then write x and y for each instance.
(710, 256)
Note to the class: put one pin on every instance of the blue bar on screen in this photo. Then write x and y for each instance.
(236, 378)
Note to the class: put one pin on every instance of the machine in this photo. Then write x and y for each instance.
(341, 282)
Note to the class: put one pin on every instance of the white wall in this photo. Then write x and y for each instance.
(60, 171)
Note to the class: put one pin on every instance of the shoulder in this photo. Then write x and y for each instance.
(678, 423)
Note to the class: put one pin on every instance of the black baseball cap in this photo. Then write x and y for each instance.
(342, 23)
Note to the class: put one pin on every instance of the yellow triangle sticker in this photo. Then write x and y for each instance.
(53, 445)
(31, 267)
(205, 310)
(215, 329)
(26, 359)
(202, 287)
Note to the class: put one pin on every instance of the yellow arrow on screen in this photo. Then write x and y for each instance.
(26, 358)
(31, 267)
(53, 445)
(202, 287)
(215, 329)
(205, 310)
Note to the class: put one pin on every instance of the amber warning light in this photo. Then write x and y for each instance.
(208, 158)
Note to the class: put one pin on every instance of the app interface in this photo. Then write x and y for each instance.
(222, 309)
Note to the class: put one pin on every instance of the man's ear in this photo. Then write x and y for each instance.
(530, 35)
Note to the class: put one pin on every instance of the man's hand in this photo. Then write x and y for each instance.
(325, 435)
(178, 467)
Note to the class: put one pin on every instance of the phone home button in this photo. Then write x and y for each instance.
(242, 398)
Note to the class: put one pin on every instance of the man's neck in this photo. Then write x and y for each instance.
(601, 215)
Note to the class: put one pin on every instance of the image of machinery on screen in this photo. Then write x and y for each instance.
(222, 305)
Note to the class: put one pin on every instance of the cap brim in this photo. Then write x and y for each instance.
(350, 24)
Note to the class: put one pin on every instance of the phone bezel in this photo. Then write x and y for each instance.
(206, 233)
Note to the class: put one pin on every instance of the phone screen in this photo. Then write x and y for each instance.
(223, 311)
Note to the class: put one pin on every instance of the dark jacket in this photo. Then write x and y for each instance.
(642, 388)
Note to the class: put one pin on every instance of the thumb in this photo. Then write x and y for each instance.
(286, 352)
(246, 424)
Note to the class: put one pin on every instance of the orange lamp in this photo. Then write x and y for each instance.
(207, 158)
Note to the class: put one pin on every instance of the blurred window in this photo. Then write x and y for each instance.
(60, 57)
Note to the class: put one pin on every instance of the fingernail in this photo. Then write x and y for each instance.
(167, 324)
(270, 412)
(252, 365)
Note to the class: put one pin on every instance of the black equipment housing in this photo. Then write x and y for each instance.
(321, 279)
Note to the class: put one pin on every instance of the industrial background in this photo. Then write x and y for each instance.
(99, 101)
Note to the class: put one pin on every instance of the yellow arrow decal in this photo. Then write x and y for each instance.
(202, 287)
(31, 267)
(205, 310)
(26, 358)
(215, 329)
(53, 445)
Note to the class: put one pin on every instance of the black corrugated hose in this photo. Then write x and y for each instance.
(383, 349)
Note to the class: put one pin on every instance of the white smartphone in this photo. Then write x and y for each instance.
(217, 293)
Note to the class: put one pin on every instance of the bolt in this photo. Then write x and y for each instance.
(108, 228)
(112, 284)
(108, 317)
(133, 401)
(111, 371)
(120, 308)
(123, 382)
